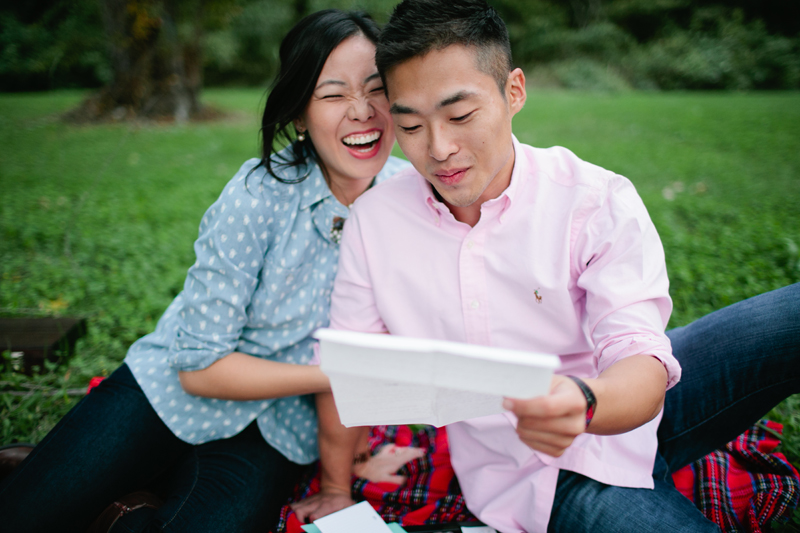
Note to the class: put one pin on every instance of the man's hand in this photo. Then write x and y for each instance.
(550, 423)
(383, 466)
(323, 503)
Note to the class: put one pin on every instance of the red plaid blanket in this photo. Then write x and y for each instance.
(742, 487)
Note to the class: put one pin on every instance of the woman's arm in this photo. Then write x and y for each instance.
(337, 445)
(239, 376)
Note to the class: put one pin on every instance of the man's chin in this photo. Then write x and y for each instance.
(457, 200)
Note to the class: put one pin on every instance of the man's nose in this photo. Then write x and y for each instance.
(440, 143)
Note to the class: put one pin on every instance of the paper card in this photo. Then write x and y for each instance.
(392, 380)
(478, 529)
(358, 518)
(394, 526)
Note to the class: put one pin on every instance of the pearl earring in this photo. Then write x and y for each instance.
(301, 136)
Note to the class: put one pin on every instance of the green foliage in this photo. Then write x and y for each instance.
(584, 75)
(245, 49)
(608, 45)
(63, 47)
(602, 41)
(718, 53)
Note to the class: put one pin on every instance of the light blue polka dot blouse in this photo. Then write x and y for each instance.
(261, 285)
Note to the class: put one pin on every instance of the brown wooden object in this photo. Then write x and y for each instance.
(38, 339)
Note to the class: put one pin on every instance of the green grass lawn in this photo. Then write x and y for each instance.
(99, 220)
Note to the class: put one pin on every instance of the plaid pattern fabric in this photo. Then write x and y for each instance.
(742, 487)
(431, 495)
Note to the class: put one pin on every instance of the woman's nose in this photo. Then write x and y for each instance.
(360, 110)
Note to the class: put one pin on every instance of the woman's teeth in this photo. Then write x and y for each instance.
(362, 142)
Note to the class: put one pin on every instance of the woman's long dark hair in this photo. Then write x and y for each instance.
(303, 53)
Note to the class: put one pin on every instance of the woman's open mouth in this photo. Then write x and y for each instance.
(363, 145)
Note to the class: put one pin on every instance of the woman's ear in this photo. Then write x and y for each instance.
(299, 125)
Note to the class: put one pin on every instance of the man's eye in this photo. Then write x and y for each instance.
(462, 117)
(409, 129)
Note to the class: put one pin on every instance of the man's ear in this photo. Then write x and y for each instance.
(515, 90)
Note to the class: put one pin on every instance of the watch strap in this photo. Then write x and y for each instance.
(591, 399)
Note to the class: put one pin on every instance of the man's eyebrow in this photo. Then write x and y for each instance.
(461, 95)
(397, 109)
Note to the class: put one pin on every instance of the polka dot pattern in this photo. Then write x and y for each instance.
(261, 285)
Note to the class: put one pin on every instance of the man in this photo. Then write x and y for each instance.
(492, 242)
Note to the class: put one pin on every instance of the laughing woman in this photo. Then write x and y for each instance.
(213, 412)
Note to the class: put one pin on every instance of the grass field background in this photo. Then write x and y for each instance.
(99, 221)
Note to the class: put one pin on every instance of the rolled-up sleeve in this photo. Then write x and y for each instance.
(230, 253)
(623, 273)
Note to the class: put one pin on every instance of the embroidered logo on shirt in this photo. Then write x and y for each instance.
(538, 298)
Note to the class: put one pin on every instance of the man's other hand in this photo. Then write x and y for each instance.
(321, 504)
(550, 423)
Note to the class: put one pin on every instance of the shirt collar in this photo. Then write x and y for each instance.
(521, 169)
(314, 188)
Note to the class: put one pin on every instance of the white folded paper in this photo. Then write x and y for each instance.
(358, 518)
(386, 379)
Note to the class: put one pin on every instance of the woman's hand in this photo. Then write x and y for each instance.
(326, 501)
(383, 466)
(380, 468)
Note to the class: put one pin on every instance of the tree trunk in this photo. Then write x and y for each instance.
(157, 69)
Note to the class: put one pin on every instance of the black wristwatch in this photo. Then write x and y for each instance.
(591, 400)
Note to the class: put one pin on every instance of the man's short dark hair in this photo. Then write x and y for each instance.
(421, 26)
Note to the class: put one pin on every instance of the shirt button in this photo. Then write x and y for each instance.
(470, 244)
(475, 304)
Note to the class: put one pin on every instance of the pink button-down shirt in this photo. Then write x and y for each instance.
(565, 261)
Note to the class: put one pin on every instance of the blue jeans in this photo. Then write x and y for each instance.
(113, 443)
(738, 363)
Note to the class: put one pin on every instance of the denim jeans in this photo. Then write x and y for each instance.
(738, 363)
(113, 443)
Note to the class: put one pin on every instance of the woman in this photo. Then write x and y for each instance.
(213, 411)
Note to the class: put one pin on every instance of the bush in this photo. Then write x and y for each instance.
(581, 74)
(245, 51)
(717, 53)
(65, 47)
(601, 41)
